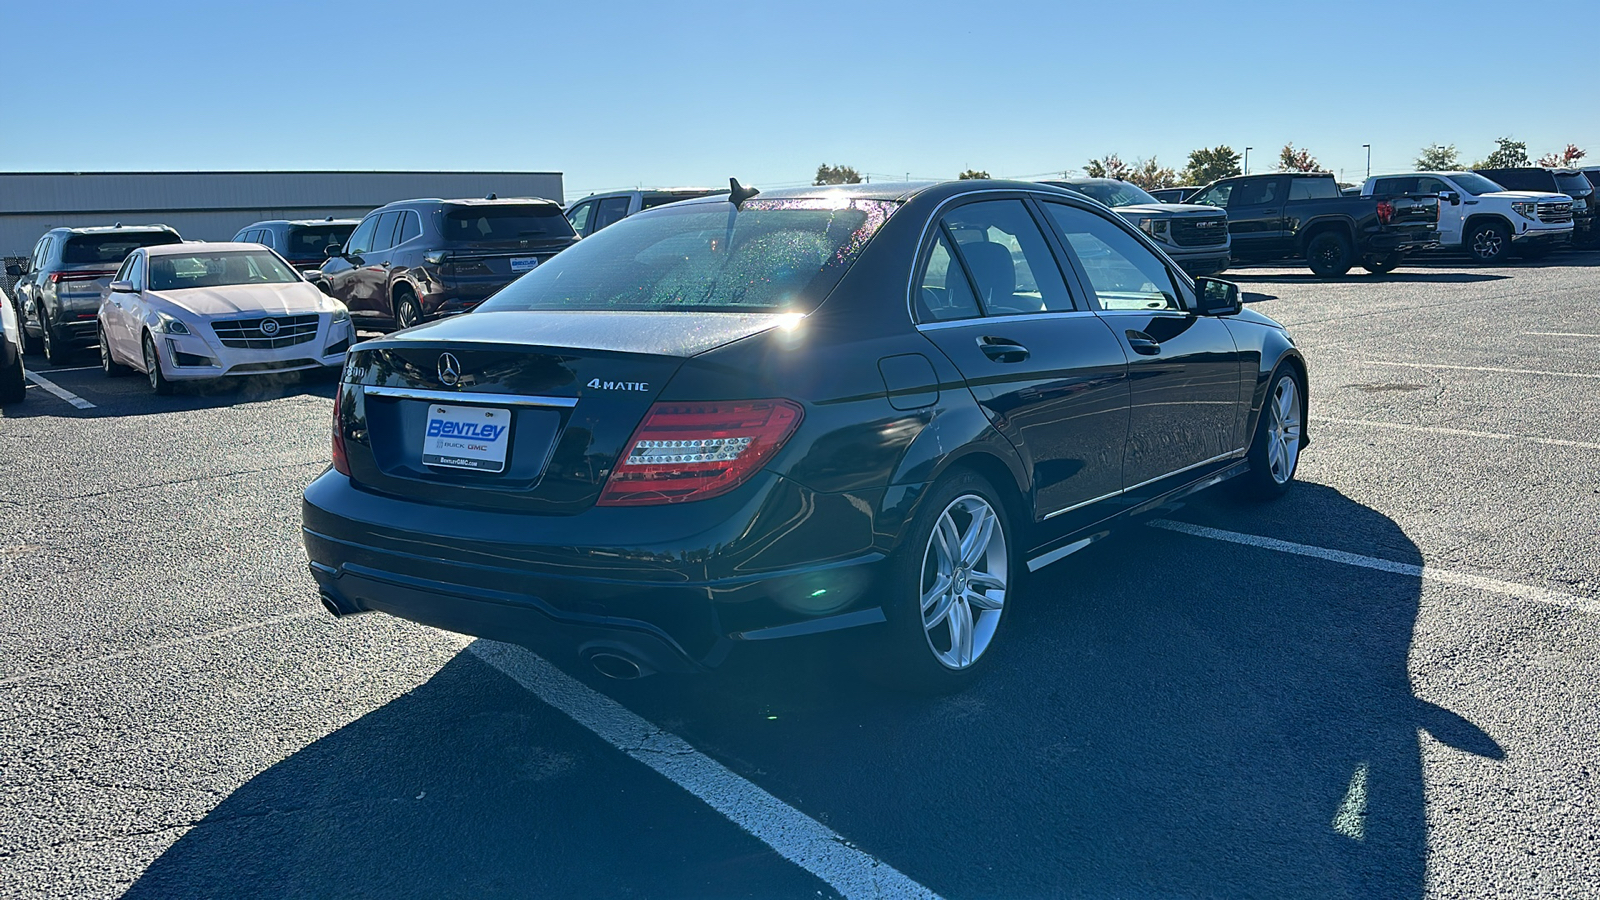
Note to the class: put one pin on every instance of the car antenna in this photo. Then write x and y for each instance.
(739, 193)
(491, 196)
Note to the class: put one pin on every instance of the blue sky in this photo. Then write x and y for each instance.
(620, 94)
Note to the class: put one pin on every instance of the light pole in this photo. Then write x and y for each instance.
(1369, 159)
(1247, 159)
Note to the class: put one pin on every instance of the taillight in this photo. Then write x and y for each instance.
(58, 277)
(341, 462)
(1385, 211)
(694, 451)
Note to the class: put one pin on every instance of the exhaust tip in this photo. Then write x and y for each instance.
(613, 666)
(337, 609)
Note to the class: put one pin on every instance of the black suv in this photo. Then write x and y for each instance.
(304, 242)
(415, 260)
(1554, 181)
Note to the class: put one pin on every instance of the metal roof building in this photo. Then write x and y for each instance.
(215, 205)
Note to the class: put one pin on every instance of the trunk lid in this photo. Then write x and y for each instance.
(570, 387)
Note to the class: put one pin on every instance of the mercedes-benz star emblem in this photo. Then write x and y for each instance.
(269, 327)
(449, 369)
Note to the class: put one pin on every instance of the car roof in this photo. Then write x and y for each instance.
(470, 201)
(897, 192)
(329, 221)
(200, 247)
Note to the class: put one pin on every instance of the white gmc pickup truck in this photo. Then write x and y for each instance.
(1483, 218)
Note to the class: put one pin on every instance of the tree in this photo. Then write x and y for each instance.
(1208, 165)
(1293, 159)
(1108, 166)
(1507, 154)
(827, 174)
(1438, 158)
(1566, 158)
(971, 174)
(1149, 174)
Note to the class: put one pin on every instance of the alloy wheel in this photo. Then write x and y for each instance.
(107, 364)
(1487, 244)
(1283, 431)
(963, 585)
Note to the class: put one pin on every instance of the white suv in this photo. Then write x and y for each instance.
(1483, 218)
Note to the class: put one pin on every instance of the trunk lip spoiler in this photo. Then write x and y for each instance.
(475, 397)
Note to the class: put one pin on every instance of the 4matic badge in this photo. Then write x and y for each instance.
(599, 385)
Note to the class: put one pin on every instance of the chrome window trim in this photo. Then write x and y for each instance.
(468, 397)
(1232, 454)
(1021, 317)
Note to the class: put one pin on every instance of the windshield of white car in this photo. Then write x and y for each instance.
(1475, 184)
(1120, 193)
(175, 272)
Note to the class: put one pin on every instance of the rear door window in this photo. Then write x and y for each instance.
(1313, 189)
(1123, 273)
(943, 292)
(1008, 257)
(383, 232)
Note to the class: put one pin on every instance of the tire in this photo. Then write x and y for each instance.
(407, 311)
(152, 361)
(13, 382)
(54, 352)
(1383, 265)
(1274, 453)
(928, 654)
(108, 363)
(1487, 242)
(1329, 254)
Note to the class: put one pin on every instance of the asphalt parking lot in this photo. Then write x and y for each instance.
(1382, 685)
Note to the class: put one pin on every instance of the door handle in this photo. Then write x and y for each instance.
(1143, 343)
(1002, 350)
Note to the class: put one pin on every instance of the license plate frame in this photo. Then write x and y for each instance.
(459, 438)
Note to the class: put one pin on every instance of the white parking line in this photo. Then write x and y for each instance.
(1559, 334)
(73, 369)
(1431, 573)
(59, 391)
(794, 835)
(1385, 362)
(1436, 429)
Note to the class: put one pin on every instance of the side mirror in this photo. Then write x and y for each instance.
(332, 250)
(1453, 197)
(1218, 297)
(122, 287)
(14, 270)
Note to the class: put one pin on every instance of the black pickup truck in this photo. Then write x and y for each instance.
(1303, 215)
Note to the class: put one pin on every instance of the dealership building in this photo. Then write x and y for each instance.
(215, 205)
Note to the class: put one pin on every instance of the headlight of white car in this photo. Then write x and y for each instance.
(170, 325)
(341, 313)
(1526, 208)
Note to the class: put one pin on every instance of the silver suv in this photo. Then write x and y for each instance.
(59, 288)
(596, 211)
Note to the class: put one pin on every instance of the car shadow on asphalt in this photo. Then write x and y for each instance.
(1167, 716)
(1425, 277)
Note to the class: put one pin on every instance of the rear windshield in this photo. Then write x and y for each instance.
(505, 223)
(1119, 193)
(308, 241)
(111, 248)
(1572, 184)
(768, 256)
(228, 267)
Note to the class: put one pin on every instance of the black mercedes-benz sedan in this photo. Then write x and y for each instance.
(752, 418)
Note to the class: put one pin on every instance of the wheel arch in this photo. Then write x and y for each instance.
(1318, 226)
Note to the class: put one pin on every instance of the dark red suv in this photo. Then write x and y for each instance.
(415, 260)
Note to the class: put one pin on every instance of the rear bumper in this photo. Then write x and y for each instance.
(707, 580)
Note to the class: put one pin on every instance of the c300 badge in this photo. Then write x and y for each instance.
(599, 385)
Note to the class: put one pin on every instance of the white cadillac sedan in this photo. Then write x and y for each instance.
(181, 312)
